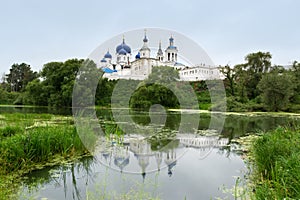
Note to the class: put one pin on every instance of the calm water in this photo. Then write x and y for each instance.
(192, 165)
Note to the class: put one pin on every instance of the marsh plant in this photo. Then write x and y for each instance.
(33, 141)
(277, 164)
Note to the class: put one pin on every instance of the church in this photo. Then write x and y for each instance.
(138, 67)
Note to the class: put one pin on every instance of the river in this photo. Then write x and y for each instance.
(198, 165)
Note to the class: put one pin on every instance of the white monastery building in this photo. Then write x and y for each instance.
(124, 66)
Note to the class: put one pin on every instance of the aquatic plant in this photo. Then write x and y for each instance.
(33, 141)
(277, 164)
(22, 151)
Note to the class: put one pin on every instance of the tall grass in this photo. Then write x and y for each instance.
(33, 141)
(277, 164)
(22, 151)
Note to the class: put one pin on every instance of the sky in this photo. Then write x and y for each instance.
(37, 32)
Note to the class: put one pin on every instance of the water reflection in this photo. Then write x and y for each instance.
(138, 154)
(193, 164)
(35, 109)
(70, 180)
(134, 155)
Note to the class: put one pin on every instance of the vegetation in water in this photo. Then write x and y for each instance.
(273, 160)
(276, 168)
(33, 141)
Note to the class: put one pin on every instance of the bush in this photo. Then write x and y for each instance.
(8, 98)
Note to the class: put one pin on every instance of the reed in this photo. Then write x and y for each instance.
(34, 141)
(38, 145)
(277, 164)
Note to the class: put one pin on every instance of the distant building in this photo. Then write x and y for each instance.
(124, 67)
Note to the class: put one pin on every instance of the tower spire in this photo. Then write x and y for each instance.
(145, 38)
(145, 50)
(171, 40)
(160, 54)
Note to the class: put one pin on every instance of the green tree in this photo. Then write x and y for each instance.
(229, 81)
(58, 80)
(19, 76)
(256, 65)
(156, 89)
(162, 74)
(85, 85)
(3, 95)
(296, 73)
(104, 91)
(240, 80)
(55, 86)
(276, 90)
(36, 93)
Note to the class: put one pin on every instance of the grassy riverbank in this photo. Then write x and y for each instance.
(276, 164)
(33, 141)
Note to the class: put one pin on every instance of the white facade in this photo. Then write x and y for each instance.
(124, 67)
(199, 72)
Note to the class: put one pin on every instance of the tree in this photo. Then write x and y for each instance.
(259, 62)
(240, 79)
(3, 96)
(156, 89)
(162, 74)
(230, 75)
(19, 76)
(55, 86)
(256, 65)
(36, 93)
(296, 73)
(85, 84)
(104, 91)
(276, 90)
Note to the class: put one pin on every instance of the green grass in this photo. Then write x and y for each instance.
(38, 145)
(276, 157)
(33, 141)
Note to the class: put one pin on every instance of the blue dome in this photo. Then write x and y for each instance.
(123, 45)
(138, 56)
(122, 51)
(103, 60)
(127, 48)
(107, 55)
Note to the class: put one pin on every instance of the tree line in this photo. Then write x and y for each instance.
(255, 85)
(52, 86)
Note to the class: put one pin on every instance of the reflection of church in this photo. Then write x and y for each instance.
(140, 150)
(189, 140)
(124, 67)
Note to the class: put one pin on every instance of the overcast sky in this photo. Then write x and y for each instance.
(37, 32)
